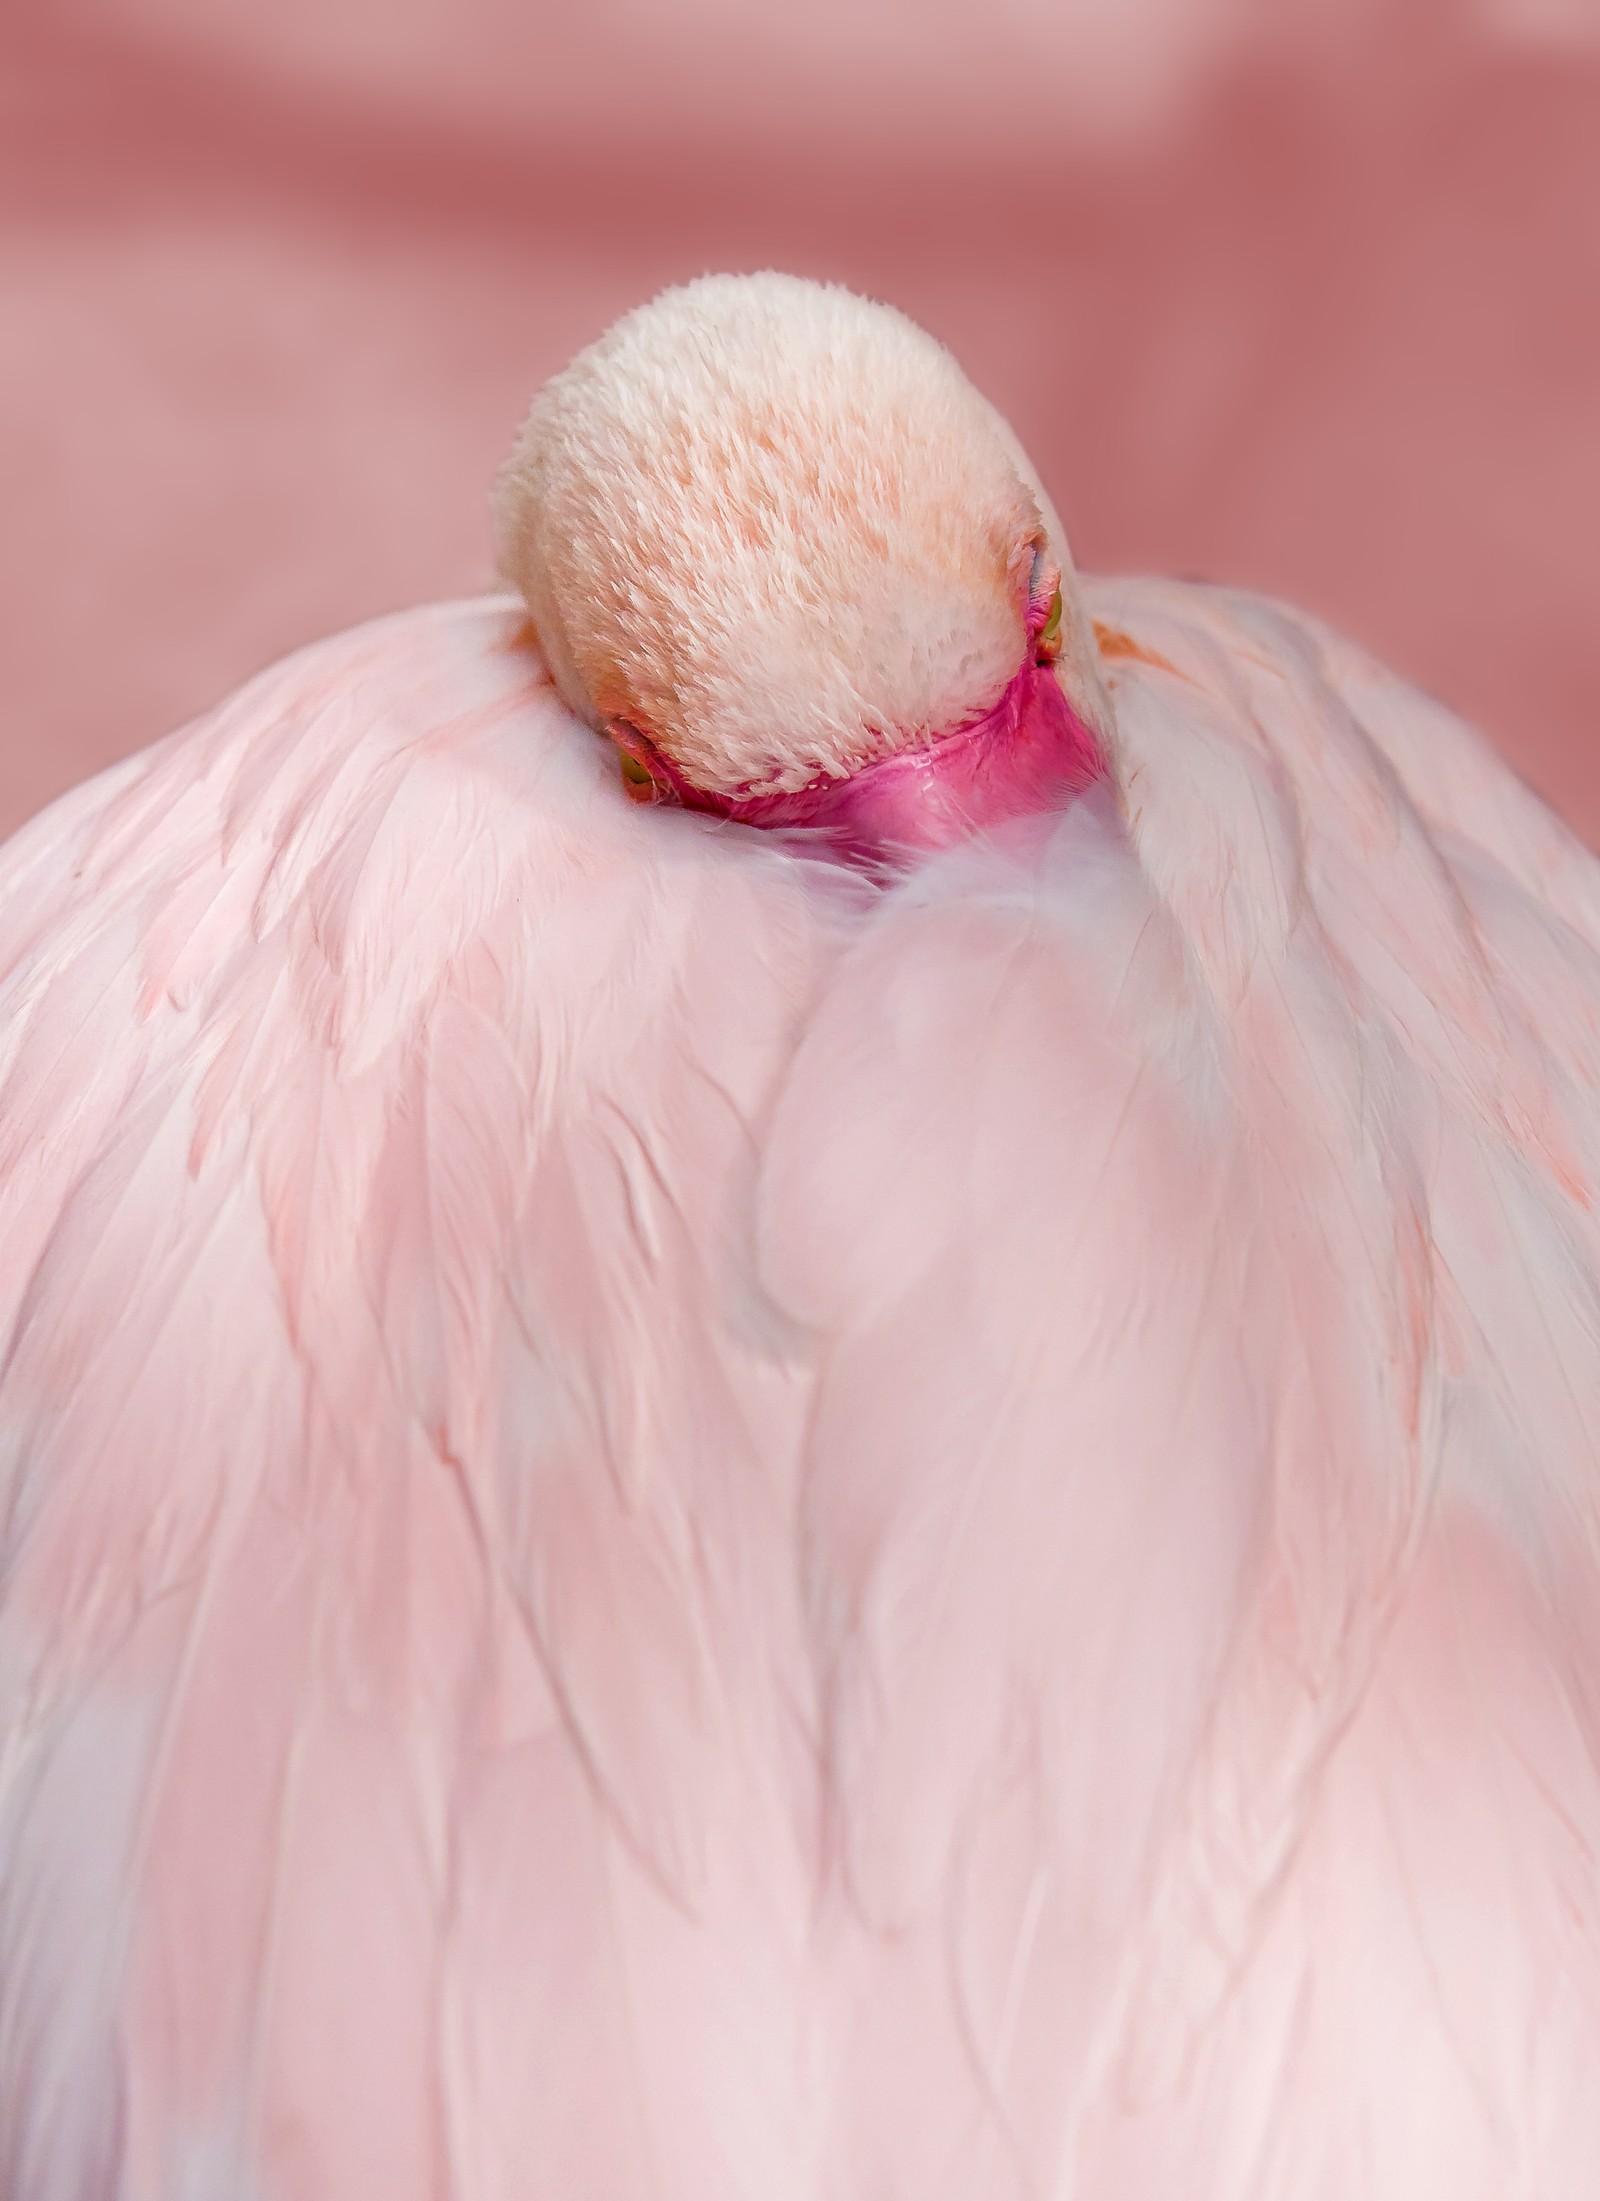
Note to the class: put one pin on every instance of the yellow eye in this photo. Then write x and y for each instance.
(1049, 642)
(641, 787)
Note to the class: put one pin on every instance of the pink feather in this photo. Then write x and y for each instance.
(676, 1523)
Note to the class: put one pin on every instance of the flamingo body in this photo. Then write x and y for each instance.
(675, 1522)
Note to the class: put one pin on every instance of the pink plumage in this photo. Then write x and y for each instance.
(680, 1521)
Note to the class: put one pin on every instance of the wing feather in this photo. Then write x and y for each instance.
(395, 1450)
(670, 1524)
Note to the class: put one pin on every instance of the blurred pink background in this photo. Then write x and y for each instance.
(1303, 297)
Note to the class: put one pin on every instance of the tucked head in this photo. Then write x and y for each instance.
(770, 536)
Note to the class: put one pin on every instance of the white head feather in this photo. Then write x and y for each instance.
(774, 527)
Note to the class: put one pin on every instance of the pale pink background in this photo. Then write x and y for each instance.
(1303, 296)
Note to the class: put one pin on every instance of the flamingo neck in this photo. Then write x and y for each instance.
(1028, 752)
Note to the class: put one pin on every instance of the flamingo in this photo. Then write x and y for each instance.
(801, 1371)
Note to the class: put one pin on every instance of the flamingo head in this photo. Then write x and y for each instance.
(779, 550)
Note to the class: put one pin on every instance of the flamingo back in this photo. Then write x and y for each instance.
(675, 1522)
